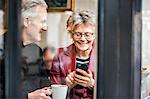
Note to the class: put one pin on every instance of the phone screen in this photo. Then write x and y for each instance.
(82, 66)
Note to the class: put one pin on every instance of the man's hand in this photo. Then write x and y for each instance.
(43, 93)
(84, 79)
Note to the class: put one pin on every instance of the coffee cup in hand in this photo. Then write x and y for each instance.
(59, 91)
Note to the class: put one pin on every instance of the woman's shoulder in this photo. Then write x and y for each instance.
(66, 50)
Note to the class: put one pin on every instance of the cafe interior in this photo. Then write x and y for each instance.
(122, 43)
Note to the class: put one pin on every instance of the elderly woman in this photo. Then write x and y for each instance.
(75, 64)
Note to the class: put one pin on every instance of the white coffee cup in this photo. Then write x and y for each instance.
(59, 91)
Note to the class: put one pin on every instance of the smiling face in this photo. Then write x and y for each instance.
(85, 42)
(37, 24)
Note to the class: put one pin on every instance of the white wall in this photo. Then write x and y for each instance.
(146, 33)
(145, 82)
(57, 35)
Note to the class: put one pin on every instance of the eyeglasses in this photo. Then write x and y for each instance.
(87, 35)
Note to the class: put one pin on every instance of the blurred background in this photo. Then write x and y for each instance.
(57, 34)
(145, 82)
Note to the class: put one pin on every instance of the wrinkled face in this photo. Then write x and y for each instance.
(37, 24)
(83, 36)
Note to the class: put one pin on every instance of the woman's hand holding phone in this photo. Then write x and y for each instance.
(84, 78)
(70, 79)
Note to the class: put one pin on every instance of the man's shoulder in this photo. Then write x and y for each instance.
(32, 47)
(32, 52)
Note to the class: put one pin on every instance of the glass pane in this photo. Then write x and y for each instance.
(46, 54)
(145, 82)
(59, 37)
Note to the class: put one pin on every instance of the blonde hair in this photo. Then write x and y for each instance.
(80, 17)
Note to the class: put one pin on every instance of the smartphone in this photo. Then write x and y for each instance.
(81, 66)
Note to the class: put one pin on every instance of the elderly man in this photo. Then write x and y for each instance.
(34, 17)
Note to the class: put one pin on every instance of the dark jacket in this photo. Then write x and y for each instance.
(32, 72)
(64, 63)
(32, 69)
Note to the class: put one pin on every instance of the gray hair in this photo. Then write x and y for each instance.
(80, 17)
(28, 5)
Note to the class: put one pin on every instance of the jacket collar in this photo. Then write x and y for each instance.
(71, 52)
